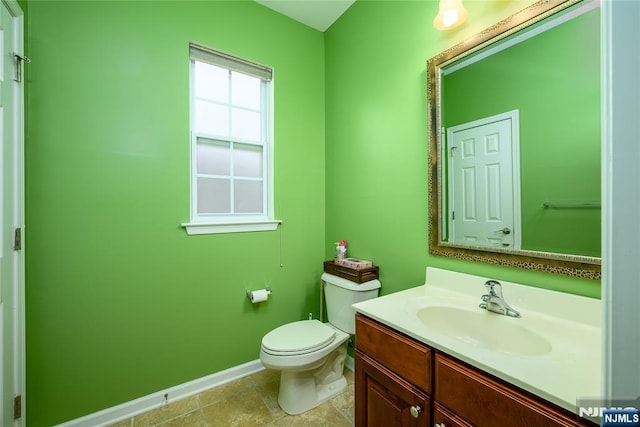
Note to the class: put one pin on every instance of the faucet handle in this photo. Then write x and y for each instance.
(494, 287)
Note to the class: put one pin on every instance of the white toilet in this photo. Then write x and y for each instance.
(311, 354)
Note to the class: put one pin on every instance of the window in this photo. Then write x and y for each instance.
(231, 149)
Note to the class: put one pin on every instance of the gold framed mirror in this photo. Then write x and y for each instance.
(514, 142)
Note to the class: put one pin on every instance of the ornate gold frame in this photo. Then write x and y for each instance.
(572, 265)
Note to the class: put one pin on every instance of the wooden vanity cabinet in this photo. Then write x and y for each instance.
(402, 382)
(385, 361)
(385, 399)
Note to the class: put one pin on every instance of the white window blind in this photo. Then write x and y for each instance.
(210, 56)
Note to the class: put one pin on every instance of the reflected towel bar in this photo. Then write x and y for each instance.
(561, 205)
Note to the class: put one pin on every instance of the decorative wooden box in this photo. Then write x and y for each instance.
(358, 276)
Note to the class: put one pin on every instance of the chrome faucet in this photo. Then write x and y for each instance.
(494, 301)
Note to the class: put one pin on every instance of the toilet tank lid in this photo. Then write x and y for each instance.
(348, 284)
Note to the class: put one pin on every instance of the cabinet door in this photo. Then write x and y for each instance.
(384, 399)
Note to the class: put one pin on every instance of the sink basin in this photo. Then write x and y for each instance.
(484, 329)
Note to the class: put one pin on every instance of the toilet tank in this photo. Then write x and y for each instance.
(340, 294)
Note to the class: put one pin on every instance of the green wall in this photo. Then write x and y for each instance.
(557, 93)
(376, 140)
(120, 301)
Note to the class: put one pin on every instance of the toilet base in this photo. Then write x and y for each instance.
(304, 394)
(301, 391)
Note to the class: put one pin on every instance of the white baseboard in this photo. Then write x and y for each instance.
(156, 400)
(350, 363)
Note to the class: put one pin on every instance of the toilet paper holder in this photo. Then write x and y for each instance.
(250, 292)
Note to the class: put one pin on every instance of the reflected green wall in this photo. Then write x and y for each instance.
(557, 93)
(120, 301)
(376, 140)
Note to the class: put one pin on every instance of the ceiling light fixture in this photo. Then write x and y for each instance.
(451, 13)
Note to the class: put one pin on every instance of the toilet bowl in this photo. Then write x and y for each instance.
(311, 354)
(312, 363)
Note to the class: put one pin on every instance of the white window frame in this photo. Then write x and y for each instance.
(233, 223)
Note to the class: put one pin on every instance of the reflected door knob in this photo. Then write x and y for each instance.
(415, 411)
(440, 425)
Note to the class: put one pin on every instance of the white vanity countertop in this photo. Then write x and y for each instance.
(569, 367)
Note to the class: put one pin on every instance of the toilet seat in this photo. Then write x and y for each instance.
(302, 337)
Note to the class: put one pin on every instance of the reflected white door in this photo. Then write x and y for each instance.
(12, 217)
(484, 183)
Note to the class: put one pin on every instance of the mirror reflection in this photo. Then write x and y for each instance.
(518, 149)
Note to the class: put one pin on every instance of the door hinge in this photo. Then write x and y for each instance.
(17, 407)
(17, 239)
(453, 215)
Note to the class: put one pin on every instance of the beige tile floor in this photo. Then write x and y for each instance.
(251, 401)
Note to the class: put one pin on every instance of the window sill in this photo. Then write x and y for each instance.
(194, 228)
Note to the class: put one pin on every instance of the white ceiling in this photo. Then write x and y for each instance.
(318, 14)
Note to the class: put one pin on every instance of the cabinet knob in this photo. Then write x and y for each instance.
(415, 411)
(440, 425)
